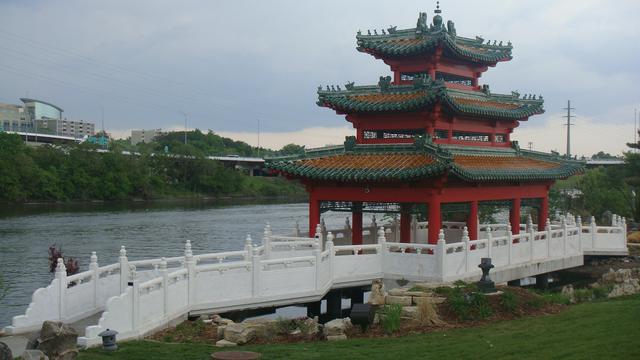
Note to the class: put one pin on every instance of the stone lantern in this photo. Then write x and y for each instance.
(109, 340)
(486, 285)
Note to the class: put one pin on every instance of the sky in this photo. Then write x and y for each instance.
(250, 69)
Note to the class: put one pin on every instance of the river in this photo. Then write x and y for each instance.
(147, 230)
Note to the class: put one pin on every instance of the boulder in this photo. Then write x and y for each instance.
(58, 341)
(220, 332)
(239, 333)
(225, 343)
(337, 327)
(219, 320)
(409, 312)
(608, 277)
(34, 355)
(401, 300)
(310, 326)
(417, 300)
(569, 292)
(5, 352)
(336, 337)
(623, 275)
(377, 294)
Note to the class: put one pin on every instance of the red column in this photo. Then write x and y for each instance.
(435, 221)
(314, 215)
(356, 224)
(472, 220)
(405, 224)
(514, 216)
(543, 214)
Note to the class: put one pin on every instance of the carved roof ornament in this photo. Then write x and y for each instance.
(451, 28)
(421, 26)
(437, 19)
(384, 83)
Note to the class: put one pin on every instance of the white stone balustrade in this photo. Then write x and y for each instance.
(136, 297)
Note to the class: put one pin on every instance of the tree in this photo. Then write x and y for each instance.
(291, 149)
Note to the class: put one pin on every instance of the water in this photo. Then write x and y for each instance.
(148, 230)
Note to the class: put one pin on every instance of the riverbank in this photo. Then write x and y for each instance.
(601, 329)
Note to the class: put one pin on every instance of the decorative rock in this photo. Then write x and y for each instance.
(225, 343)
(569, 292)
(336, 337)
(377, 295)
(336, 327)
(58, 341)
(401, 300)
(311, 326)
(239, 334)
(416, 300)
(217, 319)
(220, 332)
(5, 352)
(409, 312)
(34, 355)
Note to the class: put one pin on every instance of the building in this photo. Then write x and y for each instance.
(430, 140)
(37, 116)
(12, 118)
(144, 136)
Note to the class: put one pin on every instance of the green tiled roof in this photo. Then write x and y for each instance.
(413, 162)
(423, 94)
(423, 40)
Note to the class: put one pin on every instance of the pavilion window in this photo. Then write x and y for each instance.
(441, 134)
(471, 136)
(392, 134)
(409, 76)
(500, 138)
(454, 79)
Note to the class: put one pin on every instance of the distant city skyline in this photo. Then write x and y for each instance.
(232, 65)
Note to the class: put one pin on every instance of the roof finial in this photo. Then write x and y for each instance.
(437, 10)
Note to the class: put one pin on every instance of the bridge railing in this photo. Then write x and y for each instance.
(137, 301)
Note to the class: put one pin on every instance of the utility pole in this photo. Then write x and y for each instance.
(568, 125)
(104, 135)
(258, 137)
(635, 126)
(185, 126)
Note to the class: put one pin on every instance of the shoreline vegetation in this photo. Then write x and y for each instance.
(79, 173)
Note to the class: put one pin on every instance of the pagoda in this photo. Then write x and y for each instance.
(429, 139)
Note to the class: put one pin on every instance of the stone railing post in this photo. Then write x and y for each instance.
(547, 228)
(61, 276)
(509, 243)
(317, 253)
(190, 264)
(564, 236)
(594, 231)
(332, 253)
(465, 241)
(579, 226)
(441, 253)
(165, 285)
(531, 238)
(256, 270)
(135, 298)
(414, 228)
(489, 241)
(296, 232)
(95, 278)
(248, 248)
(347, 224)
(529, 223)
(319, 235)
(374, 228)
(623, 224)
(396, 230)
(266, 240)
(124, 269)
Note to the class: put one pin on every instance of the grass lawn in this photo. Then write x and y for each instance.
(598, 330)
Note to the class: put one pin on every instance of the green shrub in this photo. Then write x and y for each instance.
(443, 290)
(390, 318)
(420, 288)
(468, 304)
(509, 301)
(536, 302)
(583, 295)
(601, 292)
(556, 298)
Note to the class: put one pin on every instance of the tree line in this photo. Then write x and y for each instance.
(79, 172)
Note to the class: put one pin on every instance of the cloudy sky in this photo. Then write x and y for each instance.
(236, 66)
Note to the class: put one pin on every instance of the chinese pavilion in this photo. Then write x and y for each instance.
(429, 138)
